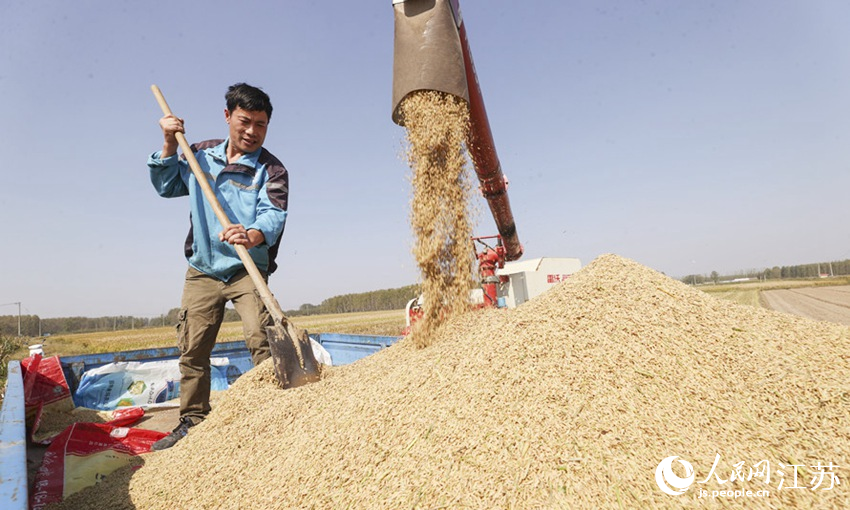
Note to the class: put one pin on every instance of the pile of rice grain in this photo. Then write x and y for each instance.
(437, 125)
(570, 400)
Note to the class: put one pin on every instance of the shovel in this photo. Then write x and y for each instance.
(292, 355)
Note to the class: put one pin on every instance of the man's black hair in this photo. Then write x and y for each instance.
(248, 98)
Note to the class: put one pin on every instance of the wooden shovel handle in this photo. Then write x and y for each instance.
(262, 287)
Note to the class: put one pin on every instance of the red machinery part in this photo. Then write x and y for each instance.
(490, 259)
(482, 149)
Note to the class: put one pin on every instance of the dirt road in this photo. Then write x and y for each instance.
(819, 303)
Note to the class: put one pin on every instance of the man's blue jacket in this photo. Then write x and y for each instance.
(254, 192)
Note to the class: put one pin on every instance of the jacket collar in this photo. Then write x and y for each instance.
(250, 159)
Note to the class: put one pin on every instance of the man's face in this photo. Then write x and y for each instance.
(247, 128)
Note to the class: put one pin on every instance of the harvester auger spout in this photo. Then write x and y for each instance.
(432, 53)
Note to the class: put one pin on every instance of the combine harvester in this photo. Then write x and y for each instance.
(432, 53)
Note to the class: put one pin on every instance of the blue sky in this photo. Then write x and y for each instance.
(689, 136)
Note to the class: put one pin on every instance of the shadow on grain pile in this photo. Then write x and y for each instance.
(568, 401)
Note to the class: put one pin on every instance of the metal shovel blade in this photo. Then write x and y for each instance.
(292, 356)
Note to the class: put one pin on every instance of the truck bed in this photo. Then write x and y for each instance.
(20, 459)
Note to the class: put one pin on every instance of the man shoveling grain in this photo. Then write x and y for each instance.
(254, 187)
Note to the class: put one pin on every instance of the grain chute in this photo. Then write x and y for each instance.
(432, 53)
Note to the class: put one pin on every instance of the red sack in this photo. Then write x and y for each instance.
(45, 386)
(46, 392)
(49, 424)
(84, 454)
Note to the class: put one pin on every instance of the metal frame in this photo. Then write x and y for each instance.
(14, 494)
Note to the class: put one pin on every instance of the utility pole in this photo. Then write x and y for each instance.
(19, 314)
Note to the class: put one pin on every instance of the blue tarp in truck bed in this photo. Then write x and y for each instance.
(14, 489)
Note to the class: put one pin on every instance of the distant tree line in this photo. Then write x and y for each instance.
(815, 270)
(34, 326)
(376, 300)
